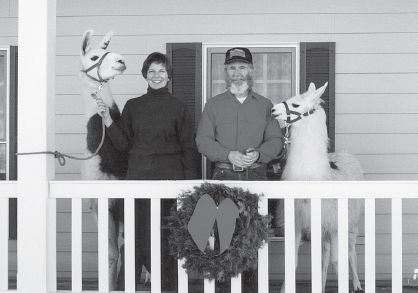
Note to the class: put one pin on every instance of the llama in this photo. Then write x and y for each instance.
(98, 66)
(308, 159)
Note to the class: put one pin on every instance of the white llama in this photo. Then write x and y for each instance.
(98, 66)
(308, 159)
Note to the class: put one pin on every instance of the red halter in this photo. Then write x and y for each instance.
(98, 69)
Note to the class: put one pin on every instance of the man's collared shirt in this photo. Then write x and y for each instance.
(227, 125)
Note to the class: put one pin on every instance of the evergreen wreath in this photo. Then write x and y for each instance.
(251, 230)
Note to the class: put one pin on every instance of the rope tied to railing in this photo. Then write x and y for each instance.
(61, 157)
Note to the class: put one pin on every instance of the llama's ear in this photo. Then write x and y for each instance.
(85, 41)
(311, 88)
(321, 90)
(106, 40)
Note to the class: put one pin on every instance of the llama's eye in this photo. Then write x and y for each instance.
(94, 58)
(295, 105)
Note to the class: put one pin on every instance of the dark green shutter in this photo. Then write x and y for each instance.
(317, 65)
(186, 82)
(13, 140)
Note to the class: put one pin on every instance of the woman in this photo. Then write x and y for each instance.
(157, 132)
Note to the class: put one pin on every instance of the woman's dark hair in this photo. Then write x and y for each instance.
(158, 58)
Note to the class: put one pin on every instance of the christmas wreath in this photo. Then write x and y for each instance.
(251, 230)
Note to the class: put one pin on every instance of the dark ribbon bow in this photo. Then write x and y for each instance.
(204, 216)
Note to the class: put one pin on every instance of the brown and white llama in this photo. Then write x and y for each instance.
(97, 68)
(308, 160)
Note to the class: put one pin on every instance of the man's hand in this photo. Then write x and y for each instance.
(251, 156)
(240, 160)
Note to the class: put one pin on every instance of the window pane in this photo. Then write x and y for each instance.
(218, 81)
(3, 83)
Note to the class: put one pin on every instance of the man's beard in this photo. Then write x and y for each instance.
(239, 86)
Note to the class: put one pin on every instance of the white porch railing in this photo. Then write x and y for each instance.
(271, 190)
(77, 190)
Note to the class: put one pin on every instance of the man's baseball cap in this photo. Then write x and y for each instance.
(238, 54)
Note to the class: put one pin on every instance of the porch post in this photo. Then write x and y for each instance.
(36, 40)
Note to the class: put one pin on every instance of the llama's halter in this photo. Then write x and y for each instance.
(299, 115)
(288, 122)
(96, 65)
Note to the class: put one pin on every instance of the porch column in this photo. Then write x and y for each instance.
(36, 108)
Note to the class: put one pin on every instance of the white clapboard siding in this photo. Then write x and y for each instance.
(376, 83)
(387, 163)
(373, 104)
(376, 23)
(213, 24)
(372, 63)
(124, 84)
(401, 43)
(377, 143)
(4, 12)
(95, 7)
(70, 65)
(376, 123)
(8, 26)
(120, 43)
(74, 104)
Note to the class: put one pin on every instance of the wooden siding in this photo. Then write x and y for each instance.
(375, 63)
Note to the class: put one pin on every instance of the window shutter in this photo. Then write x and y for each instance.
(317, 65)
(186, 82)
(13, 140)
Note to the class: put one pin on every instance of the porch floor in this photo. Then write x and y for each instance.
(197, 286)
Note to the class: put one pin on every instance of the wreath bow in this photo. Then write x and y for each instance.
(204, 216)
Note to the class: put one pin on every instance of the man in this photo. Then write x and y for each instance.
(236, 129)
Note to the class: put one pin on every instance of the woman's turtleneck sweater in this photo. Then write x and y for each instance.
(157, 132)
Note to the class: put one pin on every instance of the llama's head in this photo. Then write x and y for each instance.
(97, 63)
(298, 105)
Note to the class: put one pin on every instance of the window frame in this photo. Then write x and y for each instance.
(206, 47)
(6, 50)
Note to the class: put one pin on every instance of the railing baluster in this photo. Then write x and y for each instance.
(263, 254)
(370, 244)
(52, 242)
(316, 248)
(396, 244)
(209, 286)
(183, 278)
(76, 244)
(236, 284)
(155, 245)
(343, 284)
(289, 236)
(4, 246)
(129, 244)
(103, 246)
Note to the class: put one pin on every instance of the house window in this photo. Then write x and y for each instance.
(8, 126)
(4, 80)
(8, 106)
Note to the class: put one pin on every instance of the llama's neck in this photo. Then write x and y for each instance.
(88, 87)
(307, 157)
